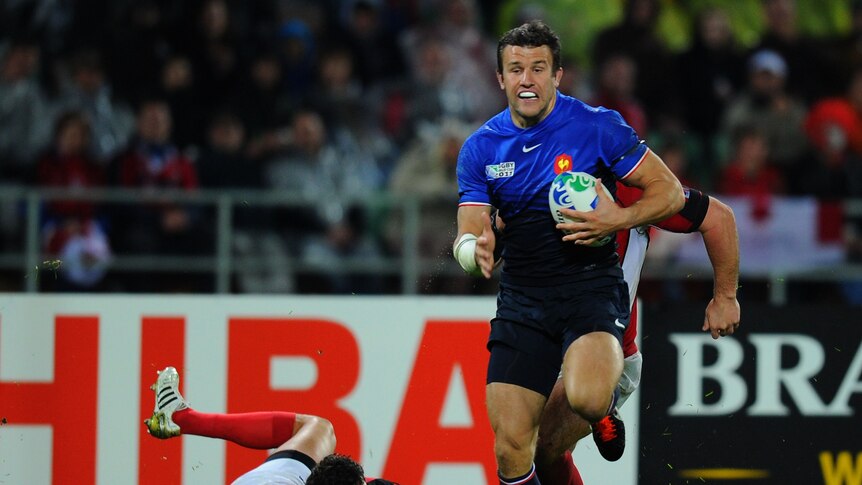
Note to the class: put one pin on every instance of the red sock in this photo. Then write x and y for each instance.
(262, 431)
(561, 471)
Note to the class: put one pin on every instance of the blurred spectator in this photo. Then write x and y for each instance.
(153, 161)
(834, 127)
(766, 105)
(432, 158)
(451, 48)
(87, 90)
(847, 47)
(636, 37)
(262, 103)
(24, 124)
(373, 48)
(222, 162)
(331, 173)
(71, 231)
(749, 172)
(141, 41)
(214, 50)
(616, 90)
(674, 153)
(711, 73)
(437, 90)
(50, 20)
(178, 88)
(809, 74)
(297, 53)
(337, 95)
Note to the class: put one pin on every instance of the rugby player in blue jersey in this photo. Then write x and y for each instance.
(561, 303)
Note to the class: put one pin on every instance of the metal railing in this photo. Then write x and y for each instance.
(409, 265)
(220, 264)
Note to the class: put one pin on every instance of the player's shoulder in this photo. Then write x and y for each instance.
(489, 132)
(596, 115)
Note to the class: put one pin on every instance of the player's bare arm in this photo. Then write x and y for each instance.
(474, 245)
(722, 245)
(662, 198)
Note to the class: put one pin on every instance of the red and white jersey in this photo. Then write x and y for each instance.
(632, 245)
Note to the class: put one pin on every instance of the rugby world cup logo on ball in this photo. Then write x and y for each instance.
(575, 190)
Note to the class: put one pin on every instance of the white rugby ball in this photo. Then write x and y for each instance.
(575, 190)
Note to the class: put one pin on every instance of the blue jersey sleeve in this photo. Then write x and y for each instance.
(472, 188)
(620, 146)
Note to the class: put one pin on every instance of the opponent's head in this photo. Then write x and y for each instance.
(337, 470)
(529, 70)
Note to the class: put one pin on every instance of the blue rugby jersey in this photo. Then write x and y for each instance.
(512, 168)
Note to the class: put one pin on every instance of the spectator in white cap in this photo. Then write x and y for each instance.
(768, 61)
(766, 105)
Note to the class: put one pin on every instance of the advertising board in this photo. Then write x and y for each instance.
(401, 378)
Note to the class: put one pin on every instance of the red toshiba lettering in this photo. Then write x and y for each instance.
(419, 439)
(160, 461)
(67, 404)
(252, 344)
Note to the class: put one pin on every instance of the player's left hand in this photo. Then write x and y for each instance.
(722, 317)
(607, 218)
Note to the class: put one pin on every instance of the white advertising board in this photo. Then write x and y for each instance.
(401, 378)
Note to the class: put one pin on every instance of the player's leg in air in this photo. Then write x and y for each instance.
(593, 361)
(302, 442)
(561, 429)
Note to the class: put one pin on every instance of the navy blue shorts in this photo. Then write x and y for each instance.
(534, 327)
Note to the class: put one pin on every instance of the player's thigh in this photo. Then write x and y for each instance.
(591, 369)
(560, 427)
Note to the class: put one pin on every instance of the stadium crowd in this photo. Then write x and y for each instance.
(335, 100)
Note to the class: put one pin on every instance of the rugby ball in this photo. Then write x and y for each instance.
(575, 190)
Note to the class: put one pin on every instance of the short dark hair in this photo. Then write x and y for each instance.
(534, 33)
(336, 469)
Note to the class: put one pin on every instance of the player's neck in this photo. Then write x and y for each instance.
(524, 122)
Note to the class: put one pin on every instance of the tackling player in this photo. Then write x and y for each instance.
(304, 443)
(560, 428)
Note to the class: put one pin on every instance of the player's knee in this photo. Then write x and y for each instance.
(511, 445)
(325, 431)
(589, 405)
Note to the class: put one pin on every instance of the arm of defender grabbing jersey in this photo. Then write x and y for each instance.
(662, 197)
(474, 221)
(722, 245)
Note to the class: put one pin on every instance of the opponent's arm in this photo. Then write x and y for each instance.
(722, 245)
(662, 197)
(474, 245)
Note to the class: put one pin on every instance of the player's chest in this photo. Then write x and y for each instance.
(534, 161)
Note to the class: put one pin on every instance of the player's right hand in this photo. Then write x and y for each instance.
(485, 247)
(722, 317)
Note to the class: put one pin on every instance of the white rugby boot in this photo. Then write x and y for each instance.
(168, 401)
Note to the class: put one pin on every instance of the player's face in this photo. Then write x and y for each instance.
(530, 83)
